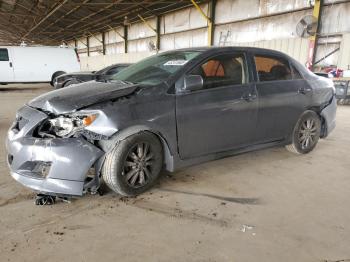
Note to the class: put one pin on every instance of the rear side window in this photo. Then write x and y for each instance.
(272, 69)
(4, 55)
(222, 70)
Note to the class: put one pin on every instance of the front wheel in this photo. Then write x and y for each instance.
(306, 133)
(134, 164)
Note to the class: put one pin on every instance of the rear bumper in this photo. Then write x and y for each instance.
(329, 115)
(50, 165)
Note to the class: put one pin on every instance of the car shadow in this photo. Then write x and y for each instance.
(19, 89)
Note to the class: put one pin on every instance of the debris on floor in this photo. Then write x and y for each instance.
(246, 228)
(47, 200)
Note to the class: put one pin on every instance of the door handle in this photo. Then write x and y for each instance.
(249, 97)
(10, 64)
(303, 90)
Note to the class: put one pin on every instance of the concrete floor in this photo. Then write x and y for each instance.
(269, 205)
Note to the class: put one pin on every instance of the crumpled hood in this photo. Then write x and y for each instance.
(74, 97)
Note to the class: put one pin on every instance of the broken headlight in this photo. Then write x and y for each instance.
(66, 126)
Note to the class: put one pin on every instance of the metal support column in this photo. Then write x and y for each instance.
(158, 33)
(103, 43)
(209, 19)
(313, 39)
(211, 25)
(125, 39)
(88, 46)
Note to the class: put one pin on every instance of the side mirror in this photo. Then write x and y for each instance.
(193, 83)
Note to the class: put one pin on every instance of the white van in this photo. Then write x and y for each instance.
(22, 64)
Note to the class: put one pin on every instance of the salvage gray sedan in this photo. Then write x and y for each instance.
(166, 112)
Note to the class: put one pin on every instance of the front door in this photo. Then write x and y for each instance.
(6, 68)
(222, 115)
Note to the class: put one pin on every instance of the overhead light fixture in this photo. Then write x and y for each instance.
(126, 21)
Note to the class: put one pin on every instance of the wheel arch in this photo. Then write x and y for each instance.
(108, 145)
(318, 110)
(55, 74)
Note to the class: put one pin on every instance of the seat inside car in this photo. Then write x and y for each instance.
(279, 72)
(220, 72)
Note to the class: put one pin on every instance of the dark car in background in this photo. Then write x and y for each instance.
(79, 77)
(171, 110)
(342, 90)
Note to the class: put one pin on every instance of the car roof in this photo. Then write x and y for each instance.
(232, 48)
(216, 50)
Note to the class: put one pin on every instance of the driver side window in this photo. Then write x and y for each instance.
(222, 70)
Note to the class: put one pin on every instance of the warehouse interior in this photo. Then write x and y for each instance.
(266, 205)
(123, 31)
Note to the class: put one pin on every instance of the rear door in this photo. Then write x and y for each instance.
(222, 116)
(6, 67)
(283, 97)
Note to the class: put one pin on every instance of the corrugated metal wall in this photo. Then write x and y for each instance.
(344, 55)
(262, 23)
(184, 28)
(295, 47)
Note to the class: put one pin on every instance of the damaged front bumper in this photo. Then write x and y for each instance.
(48, 165)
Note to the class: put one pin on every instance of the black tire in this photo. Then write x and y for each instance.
(70, 82)
(306, 133)
(55, 75)
(129, 172)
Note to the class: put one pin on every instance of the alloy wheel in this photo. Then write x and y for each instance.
(308, 134)
(138, 165)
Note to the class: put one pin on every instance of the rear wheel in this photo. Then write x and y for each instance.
(306, 133)
(134, 164)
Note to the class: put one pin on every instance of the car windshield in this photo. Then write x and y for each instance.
(156, 69)
(103, 70)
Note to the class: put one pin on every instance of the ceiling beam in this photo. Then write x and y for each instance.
(43, 22)
(122, 3)
(45, 18)
(118, 19)
(116, 13)
(16, 14)
(67, 14)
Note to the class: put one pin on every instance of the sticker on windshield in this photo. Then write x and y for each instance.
(176, 63)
